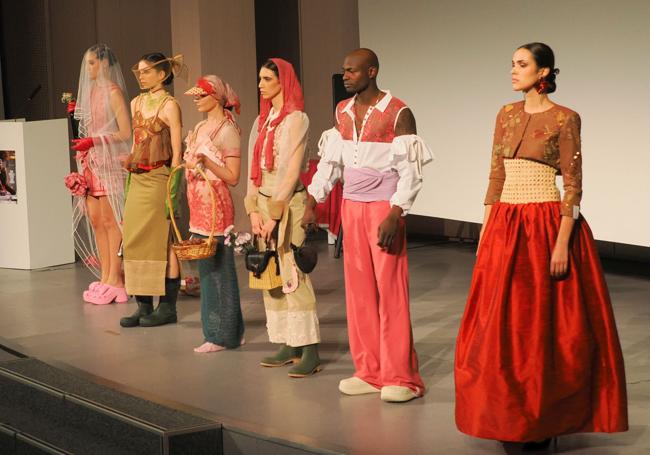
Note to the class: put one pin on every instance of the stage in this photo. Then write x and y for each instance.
(42, 316)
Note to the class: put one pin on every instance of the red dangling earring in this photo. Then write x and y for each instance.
(542, 86)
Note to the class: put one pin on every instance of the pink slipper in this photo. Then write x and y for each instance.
(108, 295)
(94, 288)
(122, 296)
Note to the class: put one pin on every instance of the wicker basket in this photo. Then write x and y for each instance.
(197, 250)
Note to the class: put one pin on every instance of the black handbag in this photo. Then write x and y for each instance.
(306, 257)
(256, 261)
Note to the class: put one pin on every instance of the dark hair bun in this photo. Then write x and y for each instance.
(550, 80)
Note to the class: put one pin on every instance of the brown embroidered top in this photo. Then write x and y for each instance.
(152, 145)
(551, 137)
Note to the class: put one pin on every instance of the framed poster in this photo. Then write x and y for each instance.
(8, 176)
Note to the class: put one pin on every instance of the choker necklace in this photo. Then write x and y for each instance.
(151, 100)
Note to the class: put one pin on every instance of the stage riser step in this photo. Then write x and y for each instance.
(81, 425)
(15, 442)
(52, 418)
(82, 417)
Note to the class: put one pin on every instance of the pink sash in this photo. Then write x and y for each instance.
(369, 185)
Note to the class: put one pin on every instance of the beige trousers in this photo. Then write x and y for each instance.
(291, 316)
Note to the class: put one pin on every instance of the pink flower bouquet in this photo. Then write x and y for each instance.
(240, 241)
(76, 183)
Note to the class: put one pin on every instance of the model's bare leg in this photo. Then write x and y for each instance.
(93, 207)
(113, 237)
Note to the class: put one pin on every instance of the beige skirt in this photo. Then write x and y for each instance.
(146, 233)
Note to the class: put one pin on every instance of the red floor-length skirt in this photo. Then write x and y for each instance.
(537, 357)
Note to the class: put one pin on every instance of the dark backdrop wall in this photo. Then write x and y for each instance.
(273, 40)
(26, 61)
(43, 42)
(2, 101)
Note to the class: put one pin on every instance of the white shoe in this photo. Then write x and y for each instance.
(397, 394)
(356, 386)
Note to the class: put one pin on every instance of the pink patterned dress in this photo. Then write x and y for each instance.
(98, 100)
(217, 141)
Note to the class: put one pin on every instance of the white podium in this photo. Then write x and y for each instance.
(36, 228)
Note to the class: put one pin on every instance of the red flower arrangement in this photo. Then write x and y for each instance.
(69, 101)
(76, 183)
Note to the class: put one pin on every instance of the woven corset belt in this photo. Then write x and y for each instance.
(528, 181)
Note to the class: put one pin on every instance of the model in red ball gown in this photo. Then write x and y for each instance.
(537, 354)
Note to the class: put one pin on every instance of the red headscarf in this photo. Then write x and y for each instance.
(222, 91)
(293, 101)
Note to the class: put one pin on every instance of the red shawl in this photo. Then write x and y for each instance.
(293, 101)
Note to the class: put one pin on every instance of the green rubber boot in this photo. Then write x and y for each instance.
(145, 307)
(285, 355)
(165, 312)
(309, 363)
